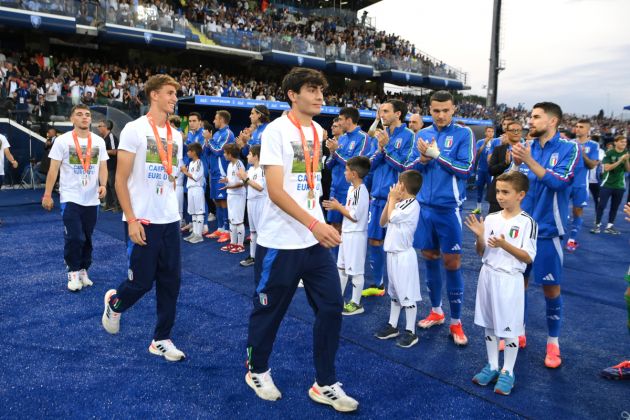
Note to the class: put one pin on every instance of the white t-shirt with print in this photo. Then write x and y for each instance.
(152, 195)
(358, 204)
(195, 167)
(258, 176)
(520, 231)
(4, 144)
(281, 145)
(74, 185)
(401, 226)
(233, 179)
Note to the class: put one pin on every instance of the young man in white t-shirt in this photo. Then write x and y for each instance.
(82, 158)
(506, 240)
(254, 178)
(353, 248)
(145, 184)
(4, 151)
(292, 244)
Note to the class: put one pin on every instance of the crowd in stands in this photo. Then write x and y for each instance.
(244, 24)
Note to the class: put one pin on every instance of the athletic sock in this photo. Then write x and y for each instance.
(219, 219)
(233, 234)
(553, 340)
(240, 234)
(377, 261)
(197, 224)
(554, 315)
(438, 310)
(455, 287)
(492, 348)
(434, 282)
(226, 219)
(343, 277)
(509, 354)
(455, 321)
(252, 244)
(478, 205)
(358, 280)
(411, 312)
(576, 225)
(394, 313)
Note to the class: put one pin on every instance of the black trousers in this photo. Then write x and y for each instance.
(605, 195)
(78, 222)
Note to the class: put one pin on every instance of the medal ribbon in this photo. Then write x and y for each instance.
(309, 160)
(167, 161)
(85, 160)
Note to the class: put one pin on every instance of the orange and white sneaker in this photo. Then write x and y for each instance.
(552, 359)
(225, 237)
(214, 235)
(227, 247)
(237, 249)
(433, 319)
(457, 333)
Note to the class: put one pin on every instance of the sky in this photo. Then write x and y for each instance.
(572, 52)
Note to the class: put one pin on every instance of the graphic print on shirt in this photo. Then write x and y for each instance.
(299, 163)
(155, 169)
(77, 166)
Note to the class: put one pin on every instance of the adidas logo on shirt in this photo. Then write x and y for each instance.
(549, 277)
(456, 248)
(507, 329)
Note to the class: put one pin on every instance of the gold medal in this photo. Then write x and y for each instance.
(171, 178)
(311, 194)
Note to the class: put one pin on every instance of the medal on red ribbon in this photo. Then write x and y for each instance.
(165, 157)
(85, 160)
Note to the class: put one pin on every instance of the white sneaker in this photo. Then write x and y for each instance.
(110, 319)
(333, 395)
(196, 239)
(301, 283)
(189, 237)
(211, 217)
(166, 349)
(74, 284)
(263, 385)
(84, 279)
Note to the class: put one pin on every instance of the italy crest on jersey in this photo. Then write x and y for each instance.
(351, 145)
(449, 141)
(398, 143)
(553, 160)
(514, 232)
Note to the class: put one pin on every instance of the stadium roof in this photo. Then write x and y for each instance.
(339, 4)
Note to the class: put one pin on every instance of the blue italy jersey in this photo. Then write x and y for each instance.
(388, 163)
(254, 140)
(590, 149)
(217, 164)
(444, 178)
(195, 136)
(547, 200)
(354, 143)
(482, 157)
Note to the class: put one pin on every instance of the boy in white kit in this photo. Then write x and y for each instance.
(507, 242)
(196, 188)
(400, 216)
(236, 199)
(254, 178)
(353, 248)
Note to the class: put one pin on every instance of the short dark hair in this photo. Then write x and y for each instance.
(516, 179)
(195, 114)
(360, 165)
(225, 115)
(489, 128)
(263, 111)
(349, 112)
(232, 150)
(196, 148)
(412, 180)
(78, 106)
(175, 121)
(255, 150)
(399, 106)
(300, 76)
(550, 109)
(442, 96)
(584, 121)
(507, 118)
(206, 125)
(109, 124)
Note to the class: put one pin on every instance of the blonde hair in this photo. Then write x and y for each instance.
(157, 82)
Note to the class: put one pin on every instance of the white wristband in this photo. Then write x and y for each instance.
(432, 152)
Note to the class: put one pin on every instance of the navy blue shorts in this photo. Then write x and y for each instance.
(439, 229)
(375, 231)
(579, 195)
(547, 266)
(215, 192)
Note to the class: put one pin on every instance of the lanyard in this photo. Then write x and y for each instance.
(167, 161)
(310, 161)
(85, 160)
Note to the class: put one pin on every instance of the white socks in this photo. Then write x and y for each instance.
(492, 347)
(411, 312)
(240, 234)
(509, 354)
(358, 281)
(344, 279)
(197, 224)
(252, 245)
(394, 313)
(438, 310)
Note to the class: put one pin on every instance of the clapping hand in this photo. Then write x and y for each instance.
(497, 241)
(242, 174)
(475, 225)
(332, 204)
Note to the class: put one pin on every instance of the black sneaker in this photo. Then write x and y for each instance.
(612, 231)
(386, 332)
(596, 229)
(247, 262)
(407, 339)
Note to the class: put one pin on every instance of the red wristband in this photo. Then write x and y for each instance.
(142, 221)
(313, 224)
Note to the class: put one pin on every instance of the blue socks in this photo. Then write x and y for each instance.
(434, 282)
(219, 217)
(377, 262)
(554, 315)
(226, 220)
(576, 225)
(455, 287)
